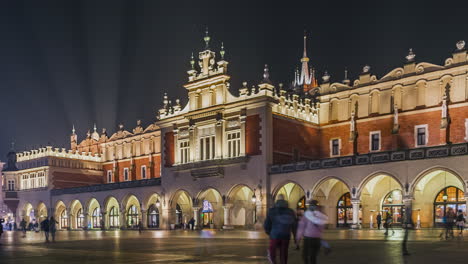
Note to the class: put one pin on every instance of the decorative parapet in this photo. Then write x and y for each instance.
(108, 187)
(296, 107)
(56, 152)
(373, 158)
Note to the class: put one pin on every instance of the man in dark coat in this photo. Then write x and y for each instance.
(379, 220)
(279, 224)
(45, 227)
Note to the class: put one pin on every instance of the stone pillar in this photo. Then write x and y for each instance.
(123, 219)
(407, 217)
(85, 220)
(356, 204)
(144, 218)
(227, 216)
(165, 220)
(196, 216)
(104, 224)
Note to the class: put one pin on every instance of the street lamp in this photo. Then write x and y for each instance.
(158, 203)
(254, 201)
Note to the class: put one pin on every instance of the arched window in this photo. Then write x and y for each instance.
(96, 217)
(178, 212)
(393, 204)
(64, 219)
(153, 217)
(344, 211)
(114, 217)
(449, 198)
(79, 218)
(132, 216)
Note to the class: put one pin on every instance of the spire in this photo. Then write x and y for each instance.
(94, 127)
(206, 39)
(12, 148)
(192, 62)
(222, 52)
(346, 80)
(305, 78)
(305, 45)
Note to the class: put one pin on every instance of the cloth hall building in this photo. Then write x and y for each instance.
(397, 144)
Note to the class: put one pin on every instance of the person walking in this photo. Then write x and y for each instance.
(52, 227)
(192, 223)
(279, 224)
(310, 229)
(388, 223)
(449, 222)
(407, 225)
(45, 226)
(140, 226)
(1, 226)
(23, 227)
(379, 220)
(460, 222)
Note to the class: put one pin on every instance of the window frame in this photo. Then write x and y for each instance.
(331, 147)
(371, 134)
(109, 176)
(143, 169)
(184, 151)
(126, 174)
(233, 144)
(416, 135)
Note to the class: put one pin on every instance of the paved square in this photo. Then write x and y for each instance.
(349, 246)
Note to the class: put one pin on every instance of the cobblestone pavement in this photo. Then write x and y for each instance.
(349, 246)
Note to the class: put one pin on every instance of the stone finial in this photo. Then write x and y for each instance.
(366, 69)
(346, 80)
(460, 45)
(138, 122)
(206, 39)
(192, 62)
(222, 51)
(121, 126)
(410, 57)
(73, 129)
(165, 101)
(266, 74)
(94, 128)
(88, 134)
(104, 131)
(281, 86)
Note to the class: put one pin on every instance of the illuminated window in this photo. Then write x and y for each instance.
(184, 151)
(233, 140)
(114, 217)
(125, 174)
(64, 219)
(207, 148)
(96, 217)
(132, 216)
(80, 219)
(143, 172)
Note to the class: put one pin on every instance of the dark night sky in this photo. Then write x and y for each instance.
(80, 62)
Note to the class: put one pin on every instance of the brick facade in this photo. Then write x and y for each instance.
(252, 135)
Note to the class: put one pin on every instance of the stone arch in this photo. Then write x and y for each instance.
(131, 207)
(292, 192)
(153, 207)
(42, 212)
(241, 206)
(76, 214)
(211, 201)
(327, 192)
(426, 186)
(112, 209)
(371, 193)
(181, 208)
(28, 213)
(93, 208)
(61, 215)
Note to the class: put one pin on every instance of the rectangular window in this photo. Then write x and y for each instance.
(421, 135)
(125, 174)
(466, 129)
(207, 148)
(143, 172)
(233, 141)
(109, 176)
(335, 147)
(11, 185)
(184, 151)
(374, 141)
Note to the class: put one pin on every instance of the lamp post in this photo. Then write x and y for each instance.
(254, 201)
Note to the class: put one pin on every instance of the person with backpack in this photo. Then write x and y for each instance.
(460, 222)
(310, 229)
(53, 227)
(279, 224)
